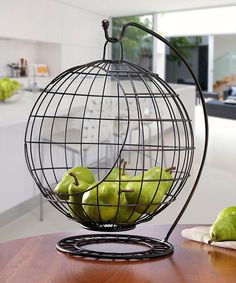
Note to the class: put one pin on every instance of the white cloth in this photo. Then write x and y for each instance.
(202, 234)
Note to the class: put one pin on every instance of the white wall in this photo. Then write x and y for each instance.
(48, 32)
(198, 22)
(213, 22)
(224, 44)
(12, 50)
(16, 183)
(50, 54)
(121, 8)
(82, 37)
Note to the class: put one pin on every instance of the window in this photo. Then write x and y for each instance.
(138, 45)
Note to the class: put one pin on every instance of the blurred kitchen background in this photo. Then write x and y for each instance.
(40, 39)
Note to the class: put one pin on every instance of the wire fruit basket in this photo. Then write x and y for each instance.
(111, 145)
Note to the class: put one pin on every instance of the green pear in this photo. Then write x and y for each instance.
(5, 88)
(15, 85)
(123, 176)
(114, 174)
(123, 180)
(126, 213)
(81, 173)
(227, 211)
(76, 190)
(149, 189)
(62, 187)
(223, 229)
(157, 173)
(145, 194)
(100, 203)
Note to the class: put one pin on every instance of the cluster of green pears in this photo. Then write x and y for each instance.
(106, 201)
(71, 188)
(224, 227)
(118, 198)
(8, 87)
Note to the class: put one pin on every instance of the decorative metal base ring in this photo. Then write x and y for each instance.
(114, 246)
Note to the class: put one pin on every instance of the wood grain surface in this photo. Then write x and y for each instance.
(36, 260)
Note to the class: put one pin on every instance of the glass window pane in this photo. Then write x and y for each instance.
(138, 45)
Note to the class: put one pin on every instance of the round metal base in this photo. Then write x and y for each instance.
(129, 246)
(108, 228)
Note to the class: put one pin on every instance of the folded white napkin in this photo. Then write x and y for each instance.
(202, 234)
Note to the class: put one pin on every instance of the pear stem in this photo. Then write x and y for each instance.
(127, 191)
(76, 181)
(213, 239)
(121, 163)
(123, 168)
(170, 169)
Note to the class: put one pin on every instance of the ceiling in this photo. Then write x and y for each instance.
(114, 8)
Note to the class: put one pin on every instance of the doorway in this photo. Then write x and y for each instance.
(195, 52)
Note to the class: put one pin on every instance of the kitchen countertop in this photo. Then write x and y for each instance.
(35, 259)
(17, 108)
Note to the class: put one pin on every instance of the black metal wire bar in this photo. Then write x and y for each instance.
(50, 146)
(86, 104)
(172, 113)
(114, 119)
(71, 104)
(140, 132)
(119, 84)
(162, 132)
(128, 95)
(159, 182)
(53, 120)
(121, 50)
(156, 109)
(150, 147)
(147, 247)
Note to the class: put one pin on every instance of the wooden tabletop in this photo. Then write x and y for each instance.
(36, 260)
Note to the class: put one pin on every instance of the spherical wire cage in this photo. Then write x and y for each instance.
(110, 145)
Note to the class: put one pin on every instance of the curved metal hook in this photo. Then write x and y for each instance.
(105, 25)
(121, 50)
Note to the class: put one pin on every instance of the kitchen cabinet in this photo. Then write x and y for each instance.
(20, 19)
(49, 32)
(54, 13)
(39, 20)
(16, 183)
(49, 21)
(31, 20)
(82, 37)
(81, 27)
(5, 19)
(46, 21)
